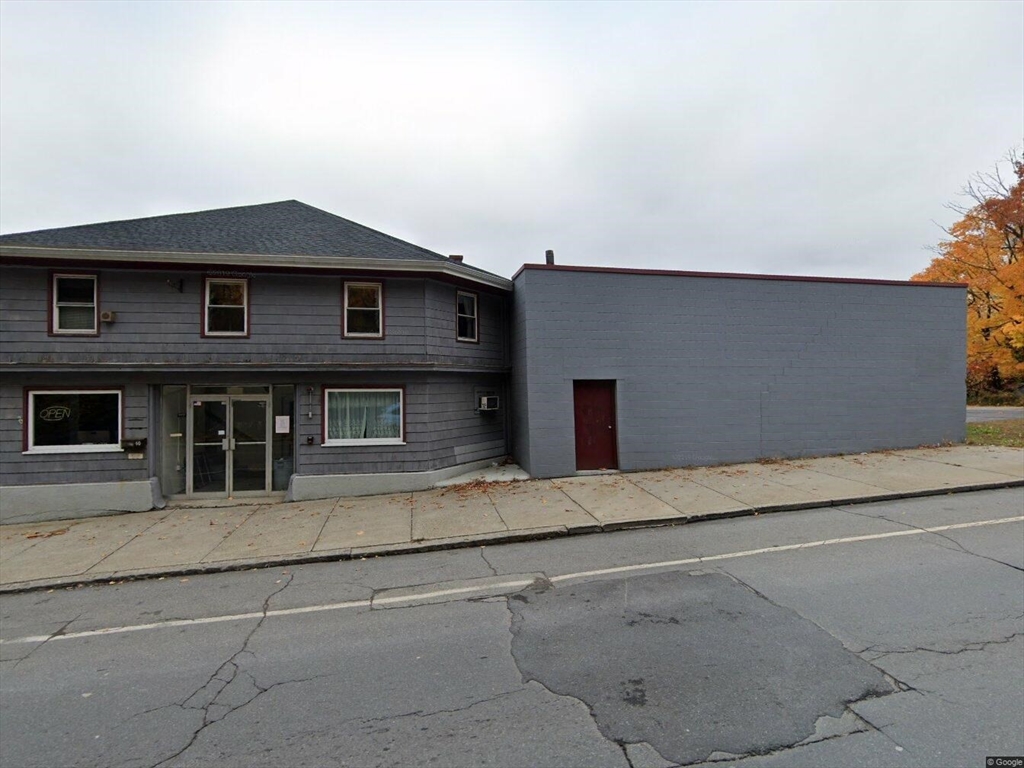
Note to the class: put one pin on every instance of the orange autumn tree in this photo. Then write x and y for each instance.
(985, 249)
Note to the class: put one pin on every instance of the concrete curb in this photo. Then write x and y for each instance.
(462, 542)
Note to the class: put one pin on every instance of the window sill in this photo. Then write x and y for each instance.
(369, 441)
(224, 335)
(74, 449)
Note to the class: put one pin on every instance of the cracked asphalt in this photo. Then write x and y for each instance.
(901, 651)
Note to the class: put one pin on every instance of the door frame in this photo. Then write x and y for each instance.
(612, 386)
(229, 420)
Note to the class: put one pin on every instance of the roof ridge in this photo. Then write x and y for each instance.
(370, 229)
(156, 216)
(275, 228)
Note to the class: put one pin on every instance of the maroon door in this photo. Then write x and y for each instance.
(594, 408)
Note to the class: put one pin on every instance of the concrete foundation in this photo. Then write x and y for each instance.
(39, 503)
(307, 487)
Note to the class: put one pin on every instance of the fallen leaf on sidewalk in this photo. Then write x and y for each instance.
(46, 534)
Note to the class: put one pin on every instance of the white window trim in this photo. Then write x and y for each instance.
(400, 440)
(380, 312)
(72, 449)
(245, 305)
(476, 317)
(55, 312)
(95, 448)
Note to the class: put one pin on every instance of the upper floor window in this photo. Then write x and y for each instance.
(74, 304)
(363, 314)
(466, 317)
(70, 421)
(226, 307)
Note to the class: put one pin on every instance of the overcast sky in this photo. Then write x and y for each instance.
(804, 138)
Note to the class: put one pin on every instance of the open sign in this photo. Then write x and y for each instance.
(55, 413)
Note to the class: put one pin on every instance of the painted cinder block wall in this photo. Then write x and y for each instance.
(721, 369)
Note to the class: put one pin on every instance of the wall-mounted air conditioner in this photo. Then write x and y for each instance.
(108, 316)
(489, 403)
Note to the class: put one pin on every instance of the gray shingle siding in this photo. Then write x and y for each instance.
(440, 328)
(294, 320)
(714, 370)
(295, 329)
(442, 426)
(17, 468)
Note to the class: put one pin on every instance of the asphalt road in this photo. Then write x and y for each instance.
(993, 413)
(842, 636)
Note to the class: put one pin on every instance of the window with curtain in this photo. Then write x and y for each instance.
(364, 417)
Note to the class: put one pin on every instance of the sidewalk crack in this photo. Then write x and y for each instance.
(558, 489)
(723, 493)
(491, 501)
(959, 466)
(644, 491)
(145, 530)
(327, 519)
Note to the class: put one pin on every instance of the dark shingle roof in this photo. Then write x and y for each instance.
(287, 228)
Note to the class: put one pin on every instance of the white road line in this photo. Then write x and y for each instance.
(781, 548)
(416, 597)
(508, 585)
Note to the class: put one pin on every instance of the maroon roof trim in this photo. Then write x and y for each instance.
(731, 275)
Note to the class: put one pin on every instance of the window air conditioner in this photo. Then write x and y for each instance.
(489, 403)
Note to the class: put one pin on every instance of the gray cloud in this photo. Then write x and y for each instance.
(770, 137)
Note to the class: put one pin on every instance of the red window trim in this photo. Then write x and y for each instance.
(205, 292)
(27, 389)
(344, 311)
(323, 412)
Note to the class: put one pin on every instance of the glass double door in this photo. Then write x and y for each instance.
(230, 445)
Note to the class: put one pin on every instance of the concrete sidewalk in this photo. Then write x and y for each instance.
(182, 540)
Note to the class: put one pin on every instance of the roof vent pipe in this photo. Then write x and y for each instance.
(549, 257)
(456, 257)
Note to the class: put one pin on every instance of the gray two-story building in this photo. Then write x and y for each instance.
(240, 352)
(281, 349)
